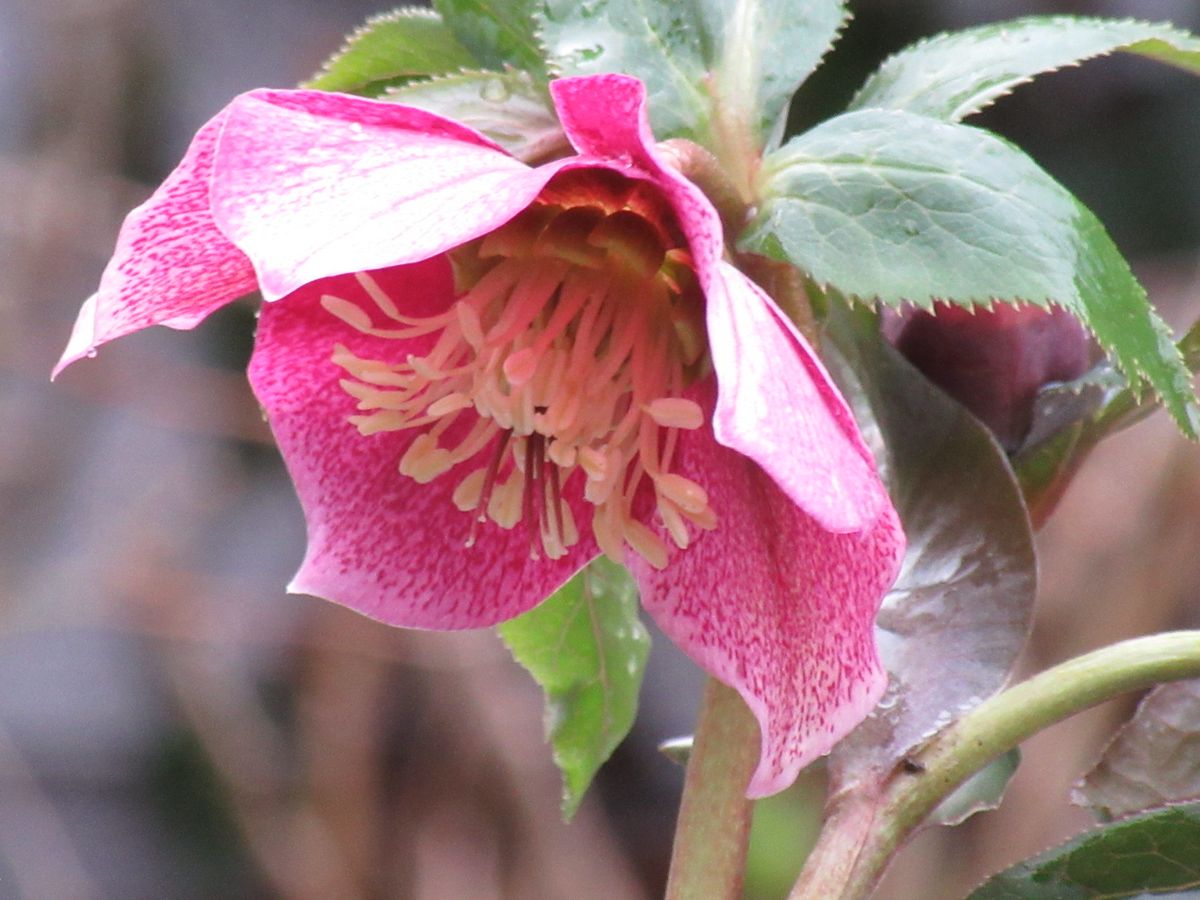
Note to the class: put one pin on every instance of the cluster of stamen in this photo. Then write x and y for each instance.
(576, 333)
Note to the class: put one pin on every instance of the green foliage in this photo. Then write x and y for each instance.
(764, 50)
(891, 206)
(587, 648)
(952, 626)
(391, 49)
(954, 75)
(661, 43)
(500, 33)
(508, 107)
(698, 57)
(1155, 852)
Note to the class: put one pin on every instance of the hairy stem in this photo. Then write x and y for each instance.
(709, 858)
(862, 834)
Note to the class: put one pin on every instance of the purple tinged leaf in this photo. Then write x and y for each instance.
(952, 627)
(1154, 758)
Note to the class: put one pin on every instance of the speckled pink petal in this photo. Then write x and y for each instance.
(311, 184)
(171, 265)
(778, 607)
(778, 406)
(378, 542)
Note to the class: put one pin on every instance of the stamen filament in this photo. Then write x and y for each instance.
(572, 349)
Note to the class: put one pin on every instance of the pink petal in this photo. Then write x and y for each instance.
(379, 542)
(778, 607)
(777, 405)
(171, 265)
(605, 117)
(310, 184)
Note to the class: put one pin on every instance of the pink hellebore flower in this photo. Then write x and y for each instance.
(480, 374)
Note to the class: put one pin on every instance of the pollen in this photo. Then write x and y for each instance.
(559, 372)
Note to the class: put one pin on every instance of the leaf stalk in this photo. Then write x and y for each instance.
(862, 833)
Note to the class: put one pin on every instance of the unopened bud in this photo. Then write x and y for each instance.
(994, 361)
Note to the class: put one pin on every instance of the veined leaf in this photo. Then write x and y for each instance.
(892, 206)
(587, 648)
(501, 33)
(741, 59)
(956, 74)
(391, 48)
(507, 107)
(1148, 854)
(952, 626)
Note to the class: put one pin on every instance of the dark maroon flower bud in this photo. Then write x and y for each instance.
(994, 361)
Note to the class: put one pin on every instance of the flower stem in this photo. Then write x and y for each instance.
(709, 859)
(862, 834)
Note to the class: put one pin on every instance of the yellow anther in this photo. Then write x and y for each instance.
(675, 412)
(685, 493)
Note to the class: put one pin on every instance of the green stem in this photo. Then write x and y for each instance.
(863, 833)
(709, 859)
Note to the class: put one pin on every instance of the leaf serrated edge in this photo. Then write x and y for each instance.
(1187, 418)
(537, 44)
(774, 140)
(947, 36)
(1137, 378)
(1084, 832)
(461, 74)
(553, 69)
(543, 49)
(838, 32)
(363, 30)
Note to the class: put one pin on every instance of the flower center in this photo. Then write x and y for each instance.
(578, 329)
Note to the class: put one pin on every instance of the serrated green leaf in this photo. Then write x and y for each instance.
(741, 59)
(766, 49)
(951, 628)
(666, 45)
(501, 33)
(889, 205)
(1155, 852)
(587, 648)
(508, 107)
(956, 74)
(391, 48)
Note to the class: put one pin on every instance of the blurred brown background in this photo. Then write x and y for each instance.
(173, 725)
